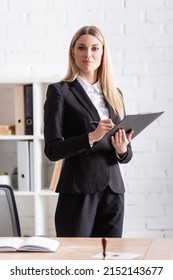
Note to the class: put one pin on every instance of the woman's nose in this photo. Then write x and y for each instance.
(88, 53)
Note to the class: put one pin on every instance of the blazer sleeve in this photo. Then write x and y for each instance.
(129, 153)
(56, 147)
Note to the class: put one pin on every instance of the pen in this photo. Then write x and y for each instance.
(94, 122)
(104, 243)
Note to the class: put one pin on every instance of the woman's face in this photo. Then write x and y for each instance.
(87, 53)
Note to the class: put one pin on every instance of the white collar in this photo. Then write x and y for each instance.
(87, 86)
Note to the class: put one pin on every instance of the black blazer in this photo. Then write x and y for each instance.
(68, 112)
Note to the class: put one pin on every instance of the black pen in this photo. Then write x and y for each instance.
(94, 122)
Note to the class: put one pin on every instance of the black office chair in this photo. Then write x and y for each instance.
(9, 219)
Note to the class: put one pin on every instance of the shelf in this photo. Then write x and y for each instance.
(33, 205)
(21, 137)
(47, 193)
(18, 193)
(17, 137)
(39, 80)
(40, 193)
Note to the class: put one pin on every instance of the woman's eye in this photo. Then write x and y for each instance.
(81, 48)
(95, 49)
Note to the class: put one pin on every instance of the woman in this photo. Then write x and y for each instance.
(79, 111)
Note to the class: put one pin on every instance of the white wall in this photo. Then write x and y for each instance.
(34, 39)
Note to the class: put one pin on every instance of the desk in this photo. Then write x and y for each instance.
(86, 248)
(160, 249)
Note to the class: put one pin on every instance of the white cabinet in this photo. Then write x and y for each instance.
(36, 207)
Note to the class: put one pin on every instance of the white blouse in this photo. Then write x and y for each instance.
(95, 94)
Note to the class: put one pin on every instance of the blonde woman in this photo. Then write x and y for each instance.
(78, 112)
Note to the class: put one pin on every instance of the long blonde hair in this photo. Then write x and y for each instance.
(110, 91)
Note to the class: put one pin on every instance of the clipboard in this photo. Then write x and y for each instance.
(137, 123)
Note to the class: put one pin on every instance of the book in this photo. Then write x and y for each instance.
(137, 123)
(55, 175)
(23, 165)
(31, 164)
(28, 109)
(19, 110)
(23, 101)
(29, 244)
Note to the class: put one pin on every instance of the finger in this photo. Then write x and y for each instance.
(121, 136)
(124, 136)
(107, 126)
(108, 121)
(113, 140)
(129, 135)
(117, 137)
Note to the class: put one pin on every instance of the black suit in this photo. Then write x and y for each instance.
(67, 117)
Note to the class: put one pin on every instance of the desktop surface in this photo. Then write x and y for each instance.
(86, 248)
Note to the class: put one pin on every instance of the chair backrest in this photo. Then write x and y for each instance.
(9, 219)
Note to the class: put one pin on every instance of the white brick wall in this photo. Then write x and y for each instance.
(34, 39)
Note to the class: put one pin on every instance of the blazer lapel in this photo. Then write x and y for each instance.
(112, 115)
(83, 98)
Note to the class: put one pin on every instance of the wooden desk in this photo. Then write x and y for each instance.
(160, 249)
(86, 248)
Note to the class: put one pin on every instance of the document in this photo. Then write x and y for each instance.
(137, 123)
(117, 256)
(30, 244)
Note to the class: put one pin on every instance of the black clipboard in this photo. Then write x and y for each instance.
(137, 123)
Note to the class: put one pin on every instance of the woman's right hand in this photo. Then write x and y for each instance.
(103, 127)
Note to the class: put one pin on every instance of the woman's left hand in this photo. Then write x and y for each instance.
(120, 140)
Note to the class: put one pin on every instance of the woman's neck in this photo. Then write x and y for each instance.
(90, 78)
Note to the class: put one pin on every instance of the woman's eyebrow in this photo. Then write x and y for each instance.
(81, 44)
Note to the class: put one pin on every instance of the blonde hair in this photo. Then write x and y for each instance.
(110, 91)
